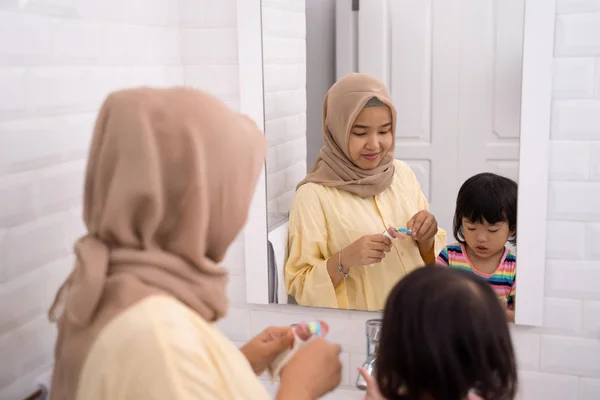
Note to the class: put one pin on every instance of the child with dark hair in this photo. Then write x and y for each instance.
(485, 219)
(443, 337)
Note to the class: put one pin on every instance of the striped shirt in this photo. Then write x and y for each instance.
(502, 280)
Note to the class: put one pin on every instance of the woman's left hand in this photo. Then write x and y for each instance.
(262, 349)
(423, 225)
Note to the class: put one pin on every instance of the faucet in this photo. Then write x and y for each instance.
(372, 332)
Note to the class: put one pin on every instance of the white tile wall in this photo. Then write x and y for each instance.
(58, 60)
(48, 98)
(284, 55)
(207, 64)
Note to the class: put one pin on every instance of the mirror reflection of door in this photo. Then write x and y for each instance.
(454, 72)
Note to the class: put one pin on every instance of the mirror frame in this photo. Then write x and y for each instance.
(536, 100)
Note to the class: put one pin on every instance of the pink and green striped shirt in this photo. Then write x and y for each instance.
(502, 280)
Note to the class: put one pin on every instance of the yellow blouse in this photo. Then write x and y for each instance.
(324, 220)
(161, 349)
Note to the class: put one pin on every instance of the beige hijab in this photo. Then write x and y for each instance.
(343, 102)
(169, 180)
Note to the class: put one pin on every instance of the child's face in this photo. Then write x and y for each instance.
(485, 239)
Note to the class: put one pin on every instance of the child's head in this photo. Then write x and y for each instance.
(443, 334)
(486, 213)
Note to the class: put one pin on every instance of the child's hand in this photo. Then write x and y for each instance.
(372, 388)
(510, 314)
(504, 303)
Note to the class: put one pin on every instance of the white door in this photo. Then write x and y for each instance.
(454, 71)
(490, 87)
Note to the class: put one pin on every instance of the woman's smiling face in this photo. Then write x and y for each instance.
(371, 137)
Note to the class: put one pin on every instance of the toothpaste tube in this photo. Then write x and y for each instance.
(402, 230)
(279, 362)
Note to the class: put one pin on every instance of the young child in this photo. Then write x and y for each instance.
(485, 219)
(443, 337)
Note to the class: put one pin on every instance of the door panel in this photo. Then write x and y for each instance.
(453, 68)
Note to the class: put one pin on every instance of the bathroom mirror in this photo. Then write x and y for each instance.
(469, 99)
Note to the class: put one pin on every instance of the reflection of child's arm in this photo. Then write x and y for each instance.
(510, 316)
(442, 258)
(511, 302)
(510, 310)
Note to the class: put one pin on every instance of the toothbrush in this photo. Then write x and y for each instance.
(315, 328)
(402, 230)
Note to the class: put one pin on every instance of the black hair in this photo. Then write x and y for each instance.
(487, 196)
(444, 333)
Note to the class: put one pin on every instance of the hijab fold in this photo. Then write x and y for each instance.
(334, 167)
(169, 179)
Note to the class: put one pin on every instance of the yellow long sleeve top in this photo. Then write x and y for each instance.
(161, 349)
(325, 220)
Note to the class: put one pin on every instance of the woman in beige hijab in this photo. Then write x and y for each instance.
(168, 185)
(337, 254)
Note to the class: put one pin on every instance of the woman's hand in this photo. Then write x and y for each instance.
(312, 372)
(367, 250)
(423, 225)
(261, 350)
